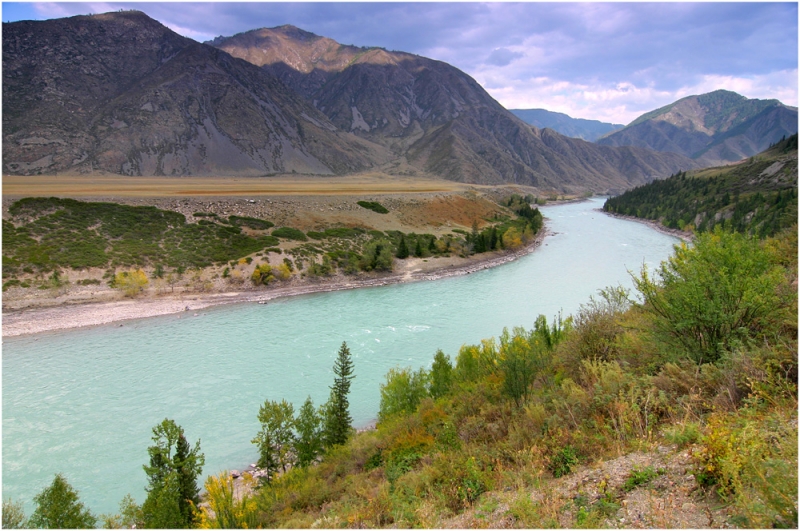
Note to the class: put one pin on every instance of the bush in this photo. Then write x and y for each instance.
(562, 461)
(713, 296)
(402, 392)
(374, 206)
(290, 233)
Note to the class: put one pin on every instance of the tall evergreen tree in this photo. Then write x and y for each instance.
(337, 411)
(402, 248)
(172, 489)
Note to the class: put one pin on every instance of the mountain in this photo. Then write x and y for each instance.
(713, 129)
(437, 119)
(589, 130)
(121, 93)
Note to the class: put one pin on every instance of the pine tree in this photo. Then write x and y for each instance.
(402, 248)
(337, 411)
(418, 249)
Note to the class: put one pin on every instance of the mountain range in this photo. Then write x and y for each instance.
(713, 129)
(589, 130)
(120, 93)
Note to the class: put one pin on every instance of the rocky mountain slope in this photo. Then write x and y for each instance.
(714, 128)
(435, 117)
(120, 93)
(589, 130)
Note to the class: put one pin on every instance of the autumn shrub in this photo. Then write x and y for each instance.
(751, 457)
(131, 282)
(226, 510)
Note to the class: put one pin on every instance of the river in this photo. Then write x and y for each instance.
(83, 402)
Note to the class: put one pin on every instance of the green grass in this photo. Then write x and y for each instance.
(45, 234)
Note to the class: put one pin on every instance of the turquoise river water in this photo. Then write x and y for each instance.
(83, 402)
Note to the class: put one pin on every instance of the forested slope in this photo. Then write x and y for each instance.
(757, 197)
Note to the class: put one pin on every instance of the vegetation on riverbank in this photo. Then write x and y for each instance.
(488, 437)
(756, 197)
(46, 240)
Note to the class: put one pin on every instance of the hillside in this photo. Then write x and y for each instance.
(758, 196)
(566, 125)
(435, 118)
(713, 129)
(122, 94)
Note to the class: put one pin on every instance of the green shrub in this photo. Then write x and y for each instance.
(374, 206)
(290, 233)
(253, 223)
(562, 461)
(639, 477)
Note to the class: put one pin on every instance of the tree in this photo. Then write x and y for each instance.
(402, 248)
(308, 443)
(441, 375)
(402, 392)
(130, 515)
(57, 507)
(172, 478)
(276, 437)
(337, 411)
(14, 515)
(262, 274)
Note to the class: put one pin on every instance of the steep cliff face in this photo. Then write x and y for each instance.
(121, 93)
(713, 128)
(437, 117)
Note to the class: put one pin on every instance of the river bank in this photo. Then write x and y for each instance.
(655, 225)
(66, 315)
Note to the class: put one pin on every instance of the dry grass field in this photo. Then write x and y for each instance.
(80, 186)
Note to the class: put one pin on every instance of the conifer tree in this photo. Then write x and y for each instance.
(402, 248)
(308, 442)
(337, 411)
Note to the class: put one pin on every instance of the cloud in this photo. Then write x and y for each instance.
(610, 61)
(502, 56)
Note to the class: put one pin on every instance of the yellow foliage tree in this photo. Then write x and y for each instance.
(226, 508)
(283, 272)
(512, 238)
(262, 274)
(131, 282)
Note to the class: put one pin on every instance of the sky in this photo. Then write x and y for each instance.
(603, 61)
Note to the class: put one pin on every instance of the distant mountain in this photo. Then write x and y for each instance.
(714, 128)
(435, 118)
(123, 94)
(589, 130)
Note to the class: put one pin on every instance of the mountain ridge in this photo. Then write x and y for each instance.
(589, 130)
(713, 128)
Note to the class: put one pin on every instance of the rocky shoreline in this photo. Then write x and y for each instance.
(68, 316)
